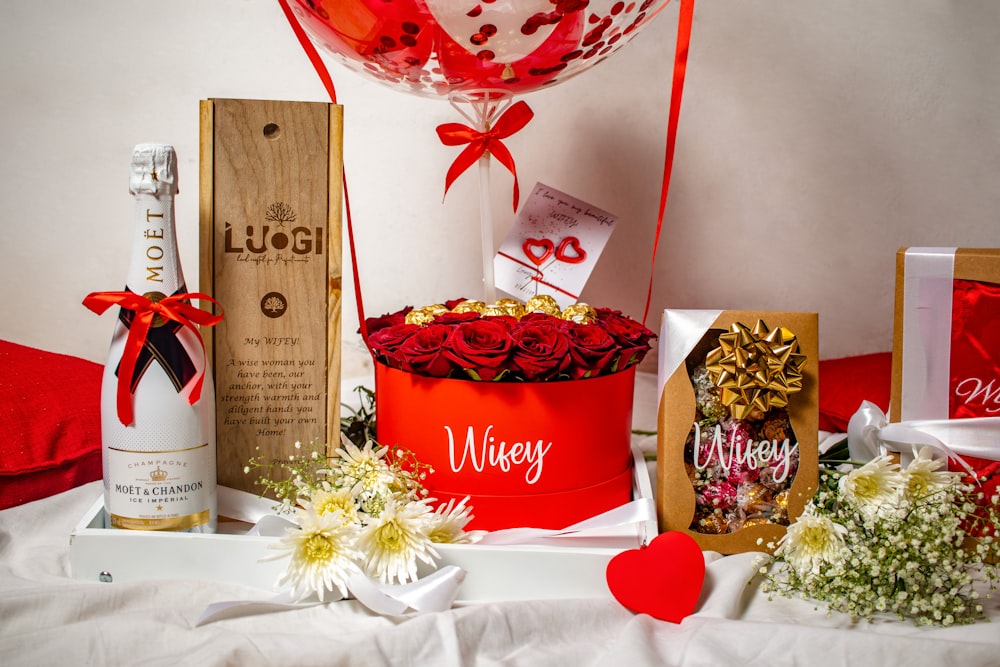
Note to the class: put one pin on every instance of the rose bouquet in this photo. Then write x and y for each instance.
(884, 539)
(508, 341)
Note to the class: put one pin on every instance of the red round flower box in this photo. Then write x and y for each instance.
(528, 454)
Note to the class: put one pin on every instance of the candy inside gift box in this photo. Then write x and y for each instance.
(524, 407)
(739, 455)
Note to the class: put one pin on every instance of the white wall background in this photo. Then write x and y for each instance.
(816, 138)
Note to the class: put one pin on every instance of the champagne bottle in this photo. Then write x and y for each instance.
(158, 433)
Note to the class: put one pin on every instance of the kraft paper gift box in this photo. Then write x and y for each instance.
(737, 443)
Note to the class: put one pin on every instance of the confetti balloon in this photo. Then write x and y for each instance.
(440, 47)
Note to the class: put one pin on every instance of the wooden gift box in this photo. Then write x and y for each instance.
(271, 183)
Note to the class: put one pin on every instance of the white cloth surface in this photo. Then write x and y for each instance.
(48, 618)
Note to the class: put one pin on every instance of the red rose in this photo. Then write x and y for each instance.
(632, 337)
(422, 352)
(545, 317)
(507, 321)
(481, 348)
(385, 342)
(451, 303)
(591, 349)
(456, 318)
(541, 350)
(388, 320)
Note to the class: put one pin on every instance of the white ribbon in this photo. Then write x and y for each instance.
(680, 332)
(869, 434)
(636, 511)
(435, 592)
(928, 281)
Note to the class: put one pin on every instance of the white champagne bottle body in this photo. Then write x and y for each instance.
(160, 470)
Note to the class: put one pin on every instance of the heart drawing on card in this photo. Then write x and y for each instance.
(538, 250)
(570, 251)
(663, 579)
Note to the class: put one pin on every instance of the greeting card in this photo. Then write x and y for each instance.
(552, 247)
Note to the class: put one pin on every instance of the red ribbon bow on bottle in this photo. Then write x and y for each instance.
(176, 308)
(456, 134)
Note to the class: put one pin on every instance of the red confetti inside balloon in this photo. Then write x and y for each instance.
(439, 47)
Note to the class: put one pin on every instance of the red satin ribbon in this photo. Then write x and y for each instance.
(456, 134)
(684, 21)
(174, 308)
(324, 76)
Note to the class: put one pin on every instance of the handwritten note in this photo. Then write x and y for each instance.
(553, 246)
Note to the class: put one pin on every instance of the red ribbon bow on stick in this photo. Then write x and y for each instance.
(456, 134)
(176, 308)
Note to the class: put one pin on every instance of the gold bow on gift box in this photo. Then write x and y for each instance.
(756, 369)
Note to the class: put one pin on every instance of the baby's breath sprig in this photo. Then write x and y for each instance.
(918, 543)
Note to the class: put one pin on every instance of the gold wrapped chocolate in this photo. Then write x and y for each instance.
(713, 524)
(511, 307)
(469, 306)
(753, 498)
(581, 313)
(756, 369)
(780, 500)
(420, 316)
(543, 303)
(425, 315)
(754, 521)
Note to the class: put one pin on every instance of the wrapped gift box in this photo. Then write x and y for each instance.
(946, 342)
(946, 346)
(737, 450)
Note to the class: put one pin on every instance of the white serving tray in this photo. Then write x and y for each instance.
(565, 567)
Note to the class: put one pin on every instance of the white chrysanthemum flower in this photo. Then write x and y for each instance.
(363, 471)
(446, 525)
(322, 550)
(810, 542)
(325, 502)
(395, 540)
(923, 476)
(873, 486)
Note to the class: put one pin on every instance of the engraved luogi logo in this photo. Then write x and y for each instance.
(279, 232)
(273, 304)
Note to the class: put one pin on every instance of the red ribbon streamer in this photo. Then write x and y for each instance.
(685, 18)
(324, 76)
(176, 308)
(456, 134)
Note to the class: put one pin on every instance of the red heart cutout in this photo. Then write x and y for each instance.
(571, 243)
(662, 579)
(545, 246)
